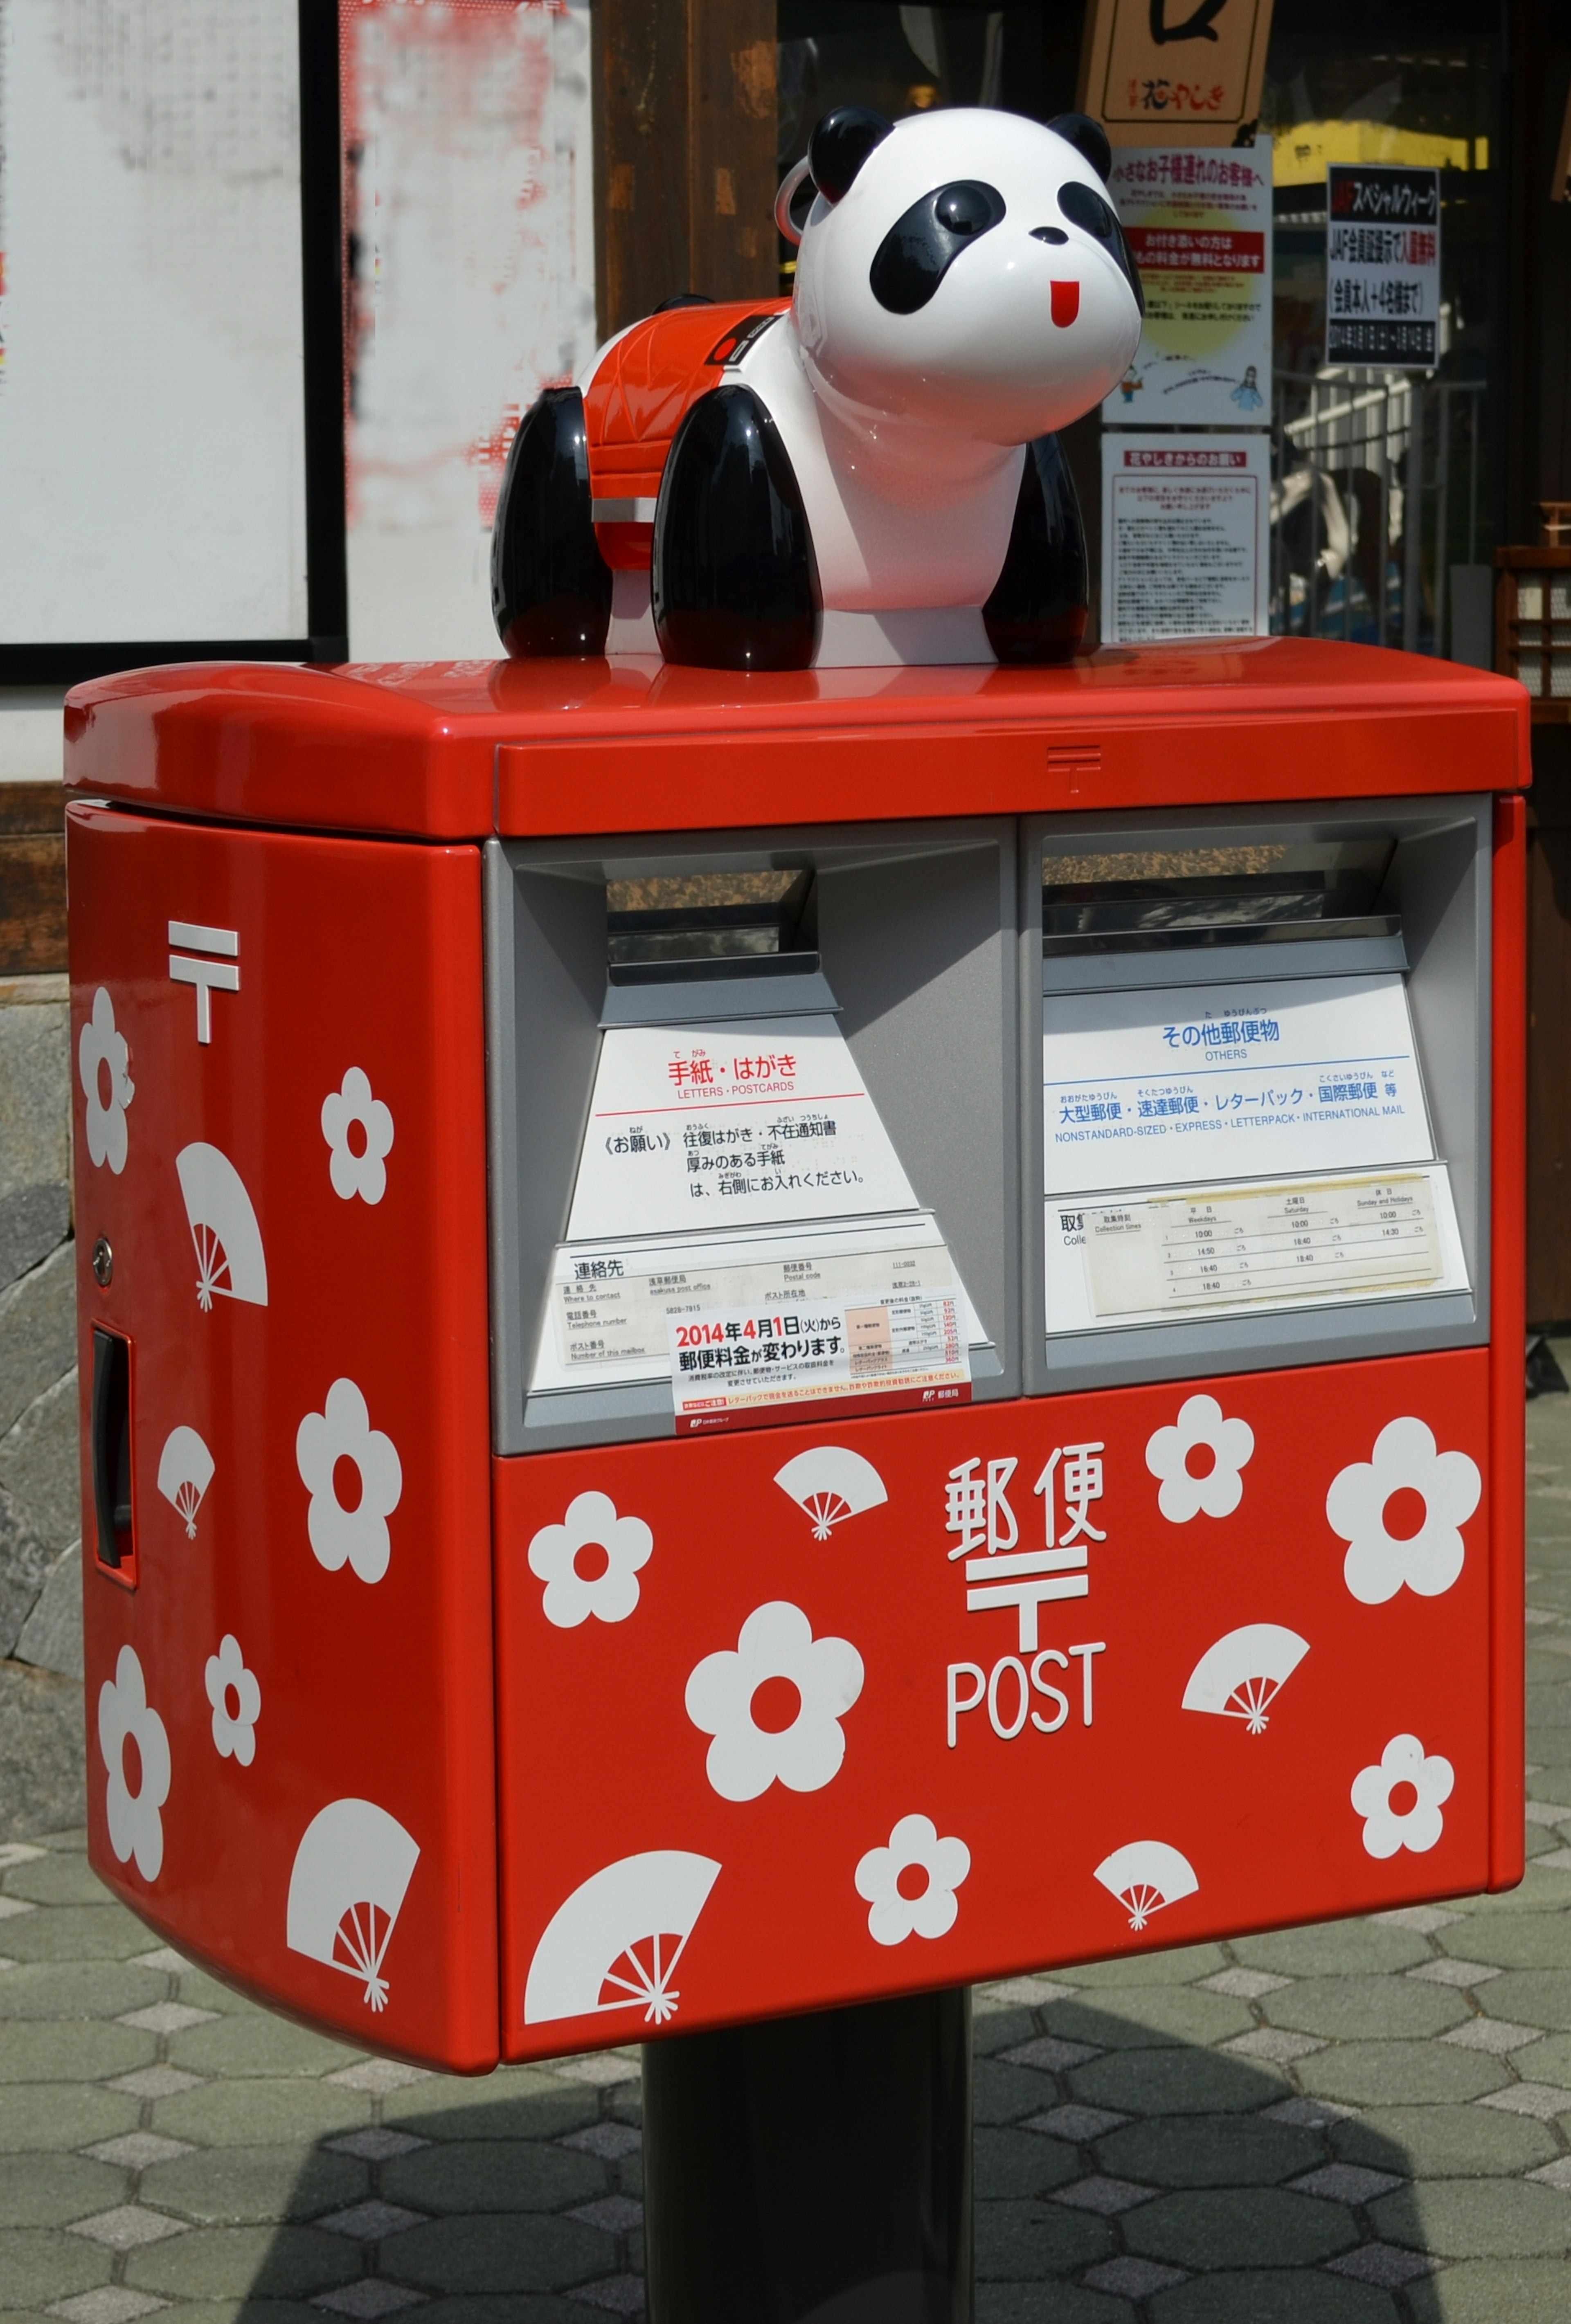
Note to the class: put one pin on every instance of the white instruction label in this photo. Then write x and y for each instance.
(1152, 1088)
(748, 1122)
(906, 1349)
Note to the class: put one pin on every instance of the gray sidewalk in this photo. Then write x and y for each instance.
(1367, 2123)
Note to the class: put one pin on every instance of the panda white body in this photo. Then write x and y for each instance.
(906, 425)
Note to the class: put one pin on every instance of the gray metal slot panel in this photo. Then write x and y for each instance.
(1223, 965)
(699, 999)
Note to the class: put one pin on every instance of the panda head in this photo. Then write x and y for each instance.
(965, 269)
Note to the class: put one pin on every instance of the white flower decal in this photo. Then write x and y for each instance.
(1400, 1800)
(1416, 1542)
(125, 1715)
(904, 1906)
(234, 1731)
(1217, 1488)
(359, 1533)
(358, 1129)
(103, 1059)
(774, 1706)
(605, 1582)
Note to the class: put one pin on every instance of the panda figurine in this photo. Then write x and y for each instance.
(868, 473)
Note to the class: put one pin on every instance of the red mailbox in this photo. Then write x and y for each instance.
(755, 1343)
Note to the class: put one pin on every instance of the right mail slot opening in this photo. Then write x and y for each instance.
(1263, 1079)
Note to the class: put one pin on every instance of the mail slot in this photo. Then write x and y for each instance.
(793, 1340)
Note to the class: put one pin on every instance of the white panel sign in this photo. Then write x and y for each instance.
(903, 1350)
(1382, 265)
(1205, 1082)
(1182, 1252)
(744, 1123)
(1198, 222)
(1185, 536)
(152, 414)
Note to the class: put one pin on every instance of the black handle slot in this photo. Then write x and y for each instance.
(111, 1445)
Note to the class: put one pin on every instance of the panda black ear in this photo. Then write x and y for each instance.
(1088, 138)
(840, 144)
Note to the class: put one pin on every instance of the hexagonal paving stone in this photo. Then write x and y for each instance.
(1176, 2082)
(1000, 2027)
(1445, 2142)
(230, 2263)
(261, 2113)
(1004, 2093)
(1176, 1965)
(256, 2044)
(1463, 2218)
(1533, 1996)
(1020, 2163)
(57, 2116)
(1035, 2242)
(518, 2102)
(1209, 2150)
(1062, 2303)
(242, 2186)
(1239, 2227)
(34, 2051)
(1335, 1949)
(1494, 2291)
(51, 2191)
(57, 1879)
(41, 2264)
(1364, 2008)
(59, 1988)
(1275, 2296)
(492, 2175)
(1401, 2073)
(519, 2252)
(77, 1933)
(1137, 2017)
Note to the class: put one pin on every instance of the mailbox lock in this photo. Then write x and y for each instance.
(103, 1263)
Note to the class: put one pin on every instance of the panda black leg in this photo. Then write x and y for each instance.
(735, 584)
(550, 587)
(1037, 612)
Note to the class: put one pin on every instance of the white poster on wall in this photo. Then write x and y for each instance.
(469, 192)
(151, 410)
(1382, 265)
(1199, 223)
(1186, 537)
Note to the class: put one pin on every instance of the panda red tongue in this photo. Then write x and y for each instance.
(1066, 303)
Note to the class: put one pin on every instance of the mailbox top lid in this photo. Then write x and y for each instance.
(461, 749)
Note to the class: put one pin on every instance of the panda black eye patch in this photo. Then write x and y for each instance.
(1083, 208)
(921, 247)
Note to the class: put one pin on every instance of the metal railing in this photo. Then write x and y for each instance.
(1377, 510)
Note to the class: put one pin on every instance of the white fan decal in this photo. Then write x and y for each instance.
(616, 1943)
(352, 1870)
(185, 1471)
(229, 1257)
(828, 1484)
(1244, 1672)
(1144, 1876)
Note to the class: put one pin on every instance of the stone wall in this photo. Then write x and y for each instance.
(40, 1589)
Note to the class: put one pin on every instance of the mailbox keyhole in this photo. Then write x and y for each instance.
(1199, 1460)
(1404, 1514)
(913, 1881)
(776, 1704)
(1402, 1799)
(591, 1560)
(348, 1483)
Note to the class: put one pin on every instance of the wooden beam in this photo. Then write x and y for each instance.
(32, 879)
(684, 152)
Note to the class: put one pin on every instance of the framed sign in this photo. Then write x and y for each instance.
(1382, 265)
(170, 336)
(1171, 72)
(1186, 531)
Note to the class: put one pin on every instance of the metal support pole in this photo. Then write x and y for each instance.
(1382, 580)
(1443, 520)
(812, 2170)
(1313, 624)
(1412, 503)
